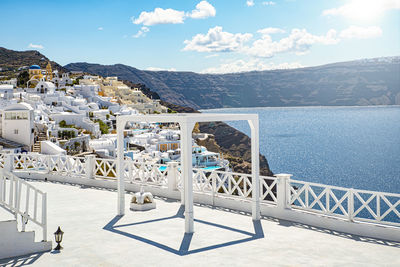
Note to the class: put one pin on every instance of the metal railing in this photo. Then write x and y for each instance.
(21, 198)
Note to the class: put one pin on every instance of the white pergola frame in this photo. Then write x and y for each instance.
(186, 122)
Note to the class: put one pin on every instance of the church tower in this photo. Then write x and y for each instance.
(49, 72)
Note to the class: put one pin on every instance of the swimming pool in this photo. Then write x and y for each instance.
(211, 168)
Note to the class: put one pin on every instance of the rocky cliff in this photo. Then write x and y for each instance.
(233, 144)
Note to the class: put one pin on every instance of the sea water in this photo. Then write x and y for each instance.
(354, 147)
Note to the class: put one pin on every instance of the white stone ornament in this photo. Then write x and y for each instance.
(142, 201)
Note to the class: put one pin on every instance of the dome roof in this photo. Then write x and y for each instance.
(34, 67)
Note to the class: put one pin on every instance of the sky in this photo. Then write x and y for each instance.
(213, 36)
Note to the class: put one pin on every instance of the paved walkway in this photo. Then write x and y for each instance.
(94, 236)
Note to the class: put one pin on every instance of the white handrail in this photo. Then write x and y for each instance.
(349, 203)
(334, 201)
(13, 190)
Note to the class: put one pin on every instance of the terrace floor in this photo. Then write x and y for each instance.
(94, 236)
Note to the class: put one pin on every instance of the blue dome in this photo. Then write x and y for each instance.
(34, 67)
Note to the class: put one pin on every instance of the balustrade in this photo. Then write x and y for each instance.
(281, 191)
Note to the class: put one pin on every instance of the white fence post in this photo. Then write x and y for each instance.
(130, 170)
(48, 163)
(44, 216)
(350, 203)
(8, 162)
(89, 166)
(283, 190)
(172, 168)
(214, 188)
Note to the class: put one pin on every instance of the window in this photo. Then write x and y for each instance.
(16, 115)
(16, 131)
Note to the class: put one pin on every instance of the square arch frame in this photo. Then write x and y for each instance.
(186, 122)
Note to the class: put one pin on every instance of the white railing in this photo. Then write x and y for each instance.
(105, 168)
(155, 174)
(21, 198)
(281, 191)
(66, 165)
(231, 184)
(351, 204)
(60, 164)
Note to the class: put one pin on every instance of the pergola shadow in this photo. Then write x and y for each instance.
(187, 237)
(21, 260)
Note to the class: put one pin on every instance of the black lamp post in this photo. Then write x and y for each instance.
(58, 236)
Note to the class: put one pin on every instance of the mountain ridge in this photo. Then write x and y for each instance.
(11, 60)
(360, 82)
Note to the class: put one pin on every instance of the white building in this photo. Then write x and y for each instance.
(17, 123)
(44, 87)
(7, 91)
(62, 81)
(12, 82)
(79, 120)
(87, 90)
(104, 146)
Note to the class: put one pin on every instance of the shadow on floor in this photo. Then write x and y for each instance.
(184, 248)
(21, 260)
(336, 233)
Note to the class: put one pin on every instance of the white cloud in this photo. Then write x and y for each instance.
(160, 16)
(100, 28)
(363, 9)
(212, 55)
(171, 16)
(217, 40)
(160, 69)
(141, 32)
(268, 3)
(203, 10)
(250, 3)
(36, 46)
(299, 42)
(357, 32)
(270, 30)
(250, 65)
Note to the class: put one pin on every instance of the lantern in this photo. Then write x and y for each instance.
(58, 236)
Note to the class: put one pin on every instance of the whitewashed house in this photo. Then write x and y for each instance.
(62, 81)
(12, 82)
(44, 87)
(104, 147)
(17, 124)
(7, 91)
(87, 90)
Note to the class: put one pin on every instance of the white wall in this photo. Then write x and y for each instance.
(49, 148)
(79, 120)
(19, 131)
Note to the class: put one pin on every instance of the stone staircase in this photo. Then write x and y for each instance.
(37, 147)
(14, 243)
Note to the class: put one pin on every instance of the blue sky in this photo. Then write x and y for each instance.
(203, 36)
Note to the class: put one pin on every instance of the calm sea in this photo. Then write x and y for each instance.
(356, 147)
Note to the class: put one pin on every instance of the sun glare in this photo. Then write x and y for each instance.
(365, 9)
